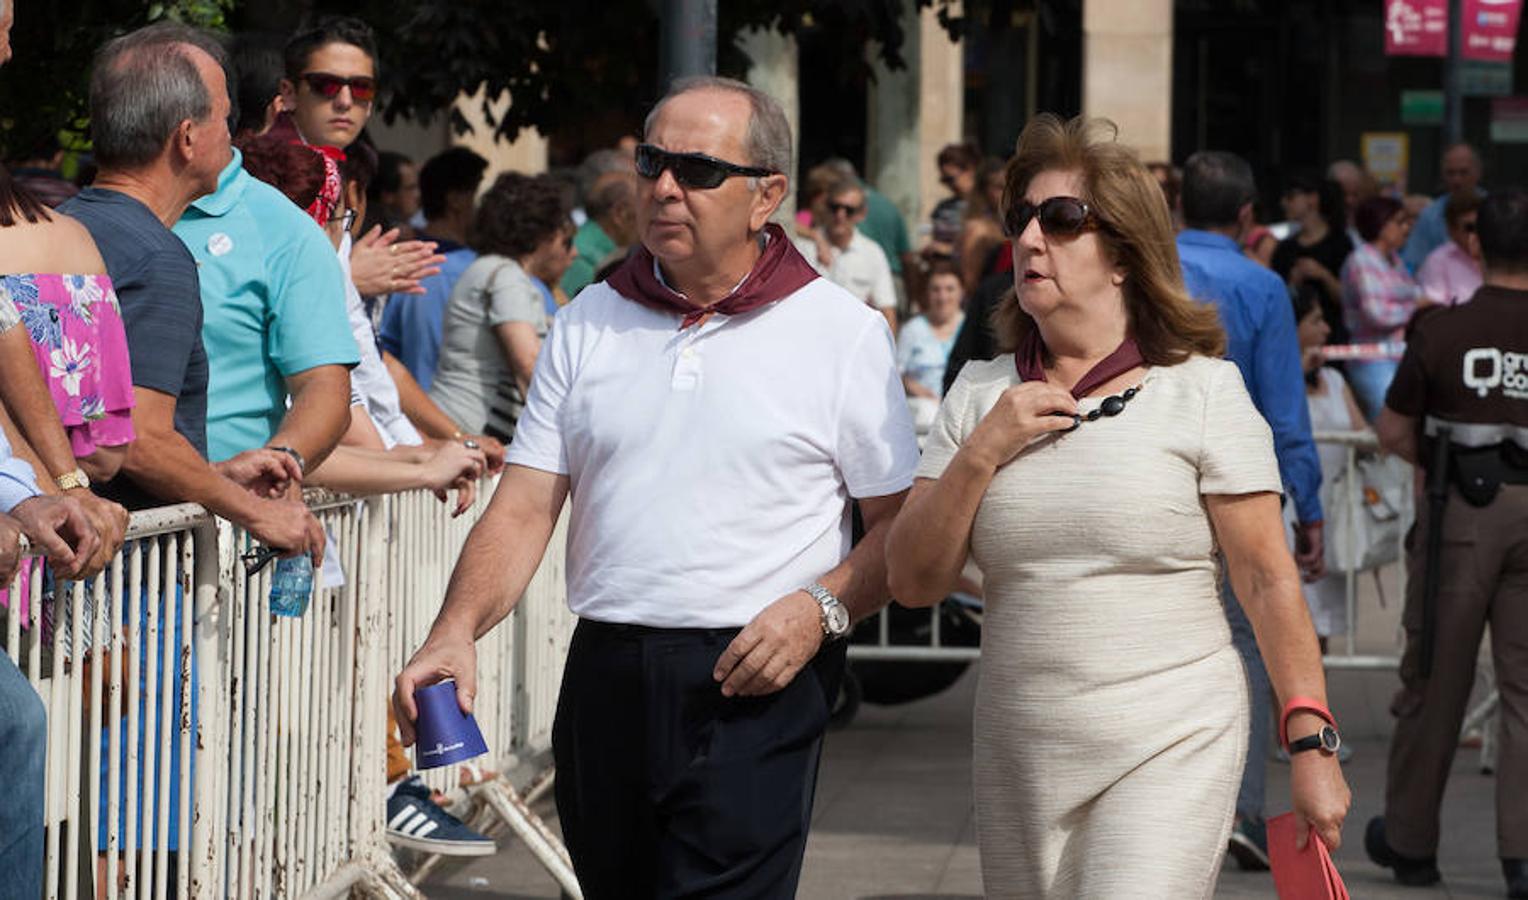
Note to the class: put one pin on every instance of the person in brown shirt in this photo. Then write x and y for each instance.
(1464, 380)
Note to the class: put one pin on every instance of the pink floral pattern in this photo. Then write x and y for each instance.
(76, 329)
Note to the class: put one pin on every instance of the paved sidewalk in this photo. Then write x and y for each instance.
(893, 817)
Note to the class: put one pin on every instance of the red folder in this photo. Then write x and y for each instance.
(1301, 874)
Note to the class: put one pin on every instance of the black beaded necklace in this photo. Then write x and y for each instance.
(1110, 406)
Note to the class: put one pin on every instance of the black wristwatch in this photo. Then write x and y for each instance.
(1327, 740)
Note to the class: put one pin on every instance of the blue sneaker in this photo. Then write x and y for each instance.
(415, 821)
(1249, 845)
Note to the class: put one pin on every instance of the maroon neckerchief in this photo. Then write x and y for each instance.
(780, 272)
(1030, 360)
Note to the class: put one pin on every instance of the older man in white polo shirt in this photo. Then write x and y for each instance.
(712, 409)
(846, 256)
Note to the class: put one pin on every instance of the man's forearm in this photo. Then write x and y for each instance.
(318, 417)
(496, 563)
(430, 419)
(859, 582)
(167, 466)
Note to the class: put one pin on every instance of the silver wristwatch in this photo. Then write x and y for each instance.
(835, 616)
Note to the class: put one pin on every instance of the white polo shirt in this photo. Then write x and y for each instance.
(711, 468)
(861, 269)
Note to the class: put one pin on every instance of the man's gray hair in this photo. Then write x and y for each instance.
(768, 141)
(142, 86)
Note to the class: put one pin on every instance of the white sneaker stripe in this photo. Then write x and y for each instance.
(403, 815)
(425, 831)
(414, 824)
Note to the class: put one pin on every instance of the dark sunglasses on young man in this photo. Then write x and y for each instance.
(844, 208)
(1059, 217)
(692, 170)
(363, 89)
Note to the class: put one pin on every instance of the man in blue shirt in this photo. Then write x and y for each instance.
(411, 323)
(1255, 309)
(1461, 173)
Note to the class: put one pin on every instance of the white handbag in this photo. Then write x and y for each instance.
(1365, 534)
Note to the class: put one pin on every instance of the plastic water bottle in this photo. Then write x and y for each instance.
(292, 585)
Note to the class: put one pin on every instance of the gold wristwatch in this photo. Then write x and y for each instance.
(71, 480)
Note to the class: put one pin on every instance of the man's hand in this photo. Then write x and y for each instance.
(10, 549)
(59, 527)
(493, 451)
(110, 522)
(767, 654)
(289, 526)
(443, 656)
(382, 264)
(1310, 550)
(263, 472)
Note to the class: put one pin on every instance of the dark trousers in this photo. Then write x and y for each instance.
(667, 789)
(1485, 581)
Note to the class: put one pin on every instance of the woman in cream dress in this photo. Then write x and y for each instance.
(1098, 475)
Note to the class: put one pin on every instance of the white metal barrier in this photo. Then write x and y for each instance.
(255, 742)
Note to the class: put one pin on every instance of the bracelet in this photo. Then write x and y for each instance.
(1302, 704)
(302, 464)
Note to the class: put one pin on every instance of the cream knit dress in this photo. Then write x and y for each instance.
(1111, 713)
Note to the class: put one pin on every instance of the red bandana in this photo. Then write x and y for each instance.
(329, 192)
(1030, 360)
(780, 272)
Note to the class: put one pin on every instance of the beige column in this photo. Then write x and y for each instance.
(914, 112)
(1127, 70)
(776, 71)
(527, 153)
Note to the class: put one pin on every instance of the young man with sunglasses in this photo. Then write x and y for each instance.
(331, 81)
(850, 259)
(709, 411)
(1217, 195)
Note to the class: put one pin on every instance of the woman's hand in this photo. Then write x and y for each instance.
(1023, 413)
(382, 264)
(1321, 797)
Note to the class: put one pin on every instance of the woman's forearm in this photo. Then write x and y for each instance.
(1274, 604)
(931, 537)
(31, 406)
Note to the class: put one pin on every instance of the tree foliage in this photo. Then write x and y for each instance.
(561, 61)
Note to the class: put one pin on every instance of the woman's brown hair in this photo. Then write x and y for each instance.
(1135, 228)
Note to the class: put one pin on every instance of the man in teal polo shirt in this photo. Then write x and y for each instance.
(273, 296)
(610, 228)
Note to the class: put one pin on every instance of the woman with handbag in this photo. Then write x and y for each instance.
(1097, 474)
(1332, 408)
(497, 315)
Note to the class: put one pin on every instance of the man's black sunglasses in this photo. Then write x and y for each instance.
(693, 170)
(1059, 217)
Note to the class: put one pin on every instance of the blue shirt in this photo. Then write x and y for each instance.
(273, 295)
(548, 299)
(157, 287)
(412, 323)
(1260, 337)
(1428, 233)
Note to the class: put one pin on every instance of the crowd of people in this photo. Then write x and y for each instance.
(249, 298)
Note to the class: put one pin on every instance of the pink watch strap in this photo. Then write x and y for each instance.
(1302, 704)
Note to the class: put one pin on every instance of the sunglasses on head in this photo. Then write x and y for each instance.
(363, 89)
(846, 209)
(693, 170)
(1059, 217)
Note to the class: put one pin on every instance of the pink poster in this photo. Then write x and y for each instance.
(1417, 27)
(1490, 29)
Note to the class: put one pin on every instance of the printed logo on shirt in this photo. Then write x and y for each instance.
(1489, 368)
(219, 244)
